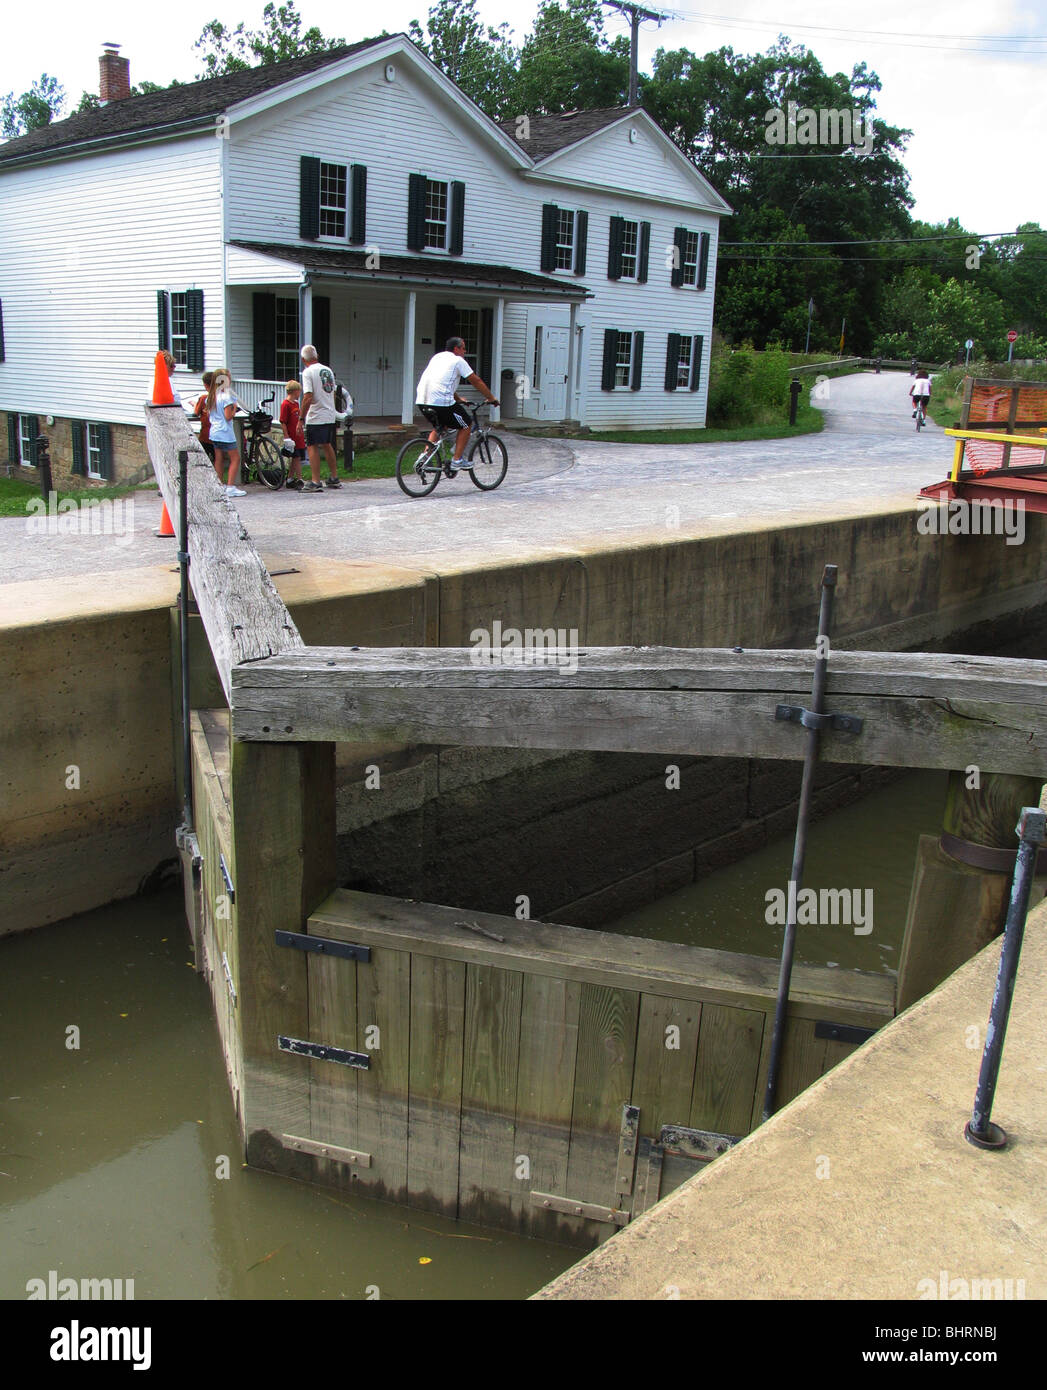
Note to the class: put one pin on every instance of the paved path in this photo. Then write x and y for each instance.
(559, 495)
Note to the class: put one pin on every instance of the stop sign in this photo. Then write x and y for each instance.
(1012, 336)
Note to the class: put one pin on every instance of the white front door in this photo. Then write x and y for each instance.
(552, 374)
(375, 351)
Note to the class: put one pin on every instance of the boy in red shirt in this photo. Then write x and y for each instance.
(290, 422)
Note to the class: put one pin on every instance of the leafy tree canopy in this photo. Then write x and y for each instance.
(227, 50)
(38, 107)
(481, 60)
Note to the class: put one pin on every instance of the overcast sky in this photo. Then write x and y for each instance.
(955, 72)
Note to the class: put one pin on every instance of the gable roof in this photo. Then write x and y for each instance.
(174, 106)
(548, 135)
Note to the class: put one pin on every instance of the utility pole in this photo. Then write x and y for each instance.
(635, 14)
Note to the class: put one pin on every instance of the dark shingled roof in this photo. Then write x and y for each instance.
(175, 105)
(436, 268)
(548, 134)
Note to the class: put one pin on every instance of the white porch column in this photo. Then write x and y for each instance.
(572, 363)
(407, 400)
(305, 312)
(496, 357)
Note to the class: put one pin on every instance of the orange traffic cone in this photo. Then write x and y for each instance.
(162, 393)
(166, 529)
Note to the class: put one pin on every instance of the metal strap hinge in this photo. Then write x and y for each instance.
(842, 1032)
(229, 979)
(589, 1210)
(796, 714)
(695, 1143)
(228, 880)
(323, 1053)
(323, 945)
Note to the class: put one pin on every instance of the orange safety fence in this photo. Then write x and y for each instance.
(982, 456)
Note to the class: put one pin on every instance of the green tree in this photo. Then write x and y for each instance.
(567, 64)
(1014, 268)
(38, 107)
(227, 50)
(480, 59)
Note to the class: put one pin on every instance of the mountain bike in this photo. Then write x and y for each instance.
(421, 464)
(261, 457)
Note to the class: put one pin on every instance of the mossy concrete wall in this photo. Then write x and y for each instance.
(88, 668)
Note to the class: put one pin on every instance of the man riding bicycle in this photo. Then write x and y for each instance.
(920, 391)
(438, 400)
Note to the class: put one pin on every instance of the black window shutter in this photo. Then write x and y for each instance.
(697, 348)
(415, 212)
(163, 322)
(680, 245)
(446, 325)
(264, 319)
(79, 460)
(581, 241)
(321, 328)
(309, 198)
(456, 241)
(2, 355)
(358, 231)
(645, 253)
(194, 302)
(12, 437)
(610, 354)
(634, 385)
(550, 215)
(105, 460)
(486, 344)
(672, 360)
(614, 249)
(703, 261)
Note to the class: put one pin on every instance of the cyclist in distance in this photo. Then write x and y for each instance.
(438, 400)
(920, 391)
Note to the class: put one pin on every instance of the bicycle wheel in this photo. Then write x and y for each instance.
(919, 420)
(269, 464)
(418, 467)
(488, 462)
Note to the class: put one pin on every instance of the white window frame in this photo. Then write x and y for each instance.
(178, 314)
(689, 268)
(536, 380)
(333, 208)
(92, 450)
(25, 441)
(684, 364)
(470, 335)
(289, 352)
(627, 365)
(431, 187)
(566, 237)
(633, 255)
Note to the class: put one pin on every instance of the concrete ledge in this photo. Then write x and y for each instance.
(864, 1186)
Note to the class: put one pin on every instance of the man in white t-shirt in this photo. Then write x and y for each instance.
(920, 391)
(438, 400)
(319, 418)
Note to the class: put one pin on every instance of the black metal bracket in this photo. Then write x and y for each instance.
(796, 714)
(842, 1032)
(324, 1053)
(323, 945)
(224, 867)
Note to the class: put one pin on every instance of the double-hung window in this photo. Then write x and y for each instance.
(26, 434)
(180, 329)
(288, 363)
(690, 258)
(334, 201)
(565, 236)
(622, 360)
(180, 326)
(683, 361)
(630, 247)
(628, 250)
(92, 450)
(435, 214)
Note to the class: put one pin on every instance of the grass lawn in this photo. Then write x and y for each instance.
(368, 463)
(15, 494)
(809, 420)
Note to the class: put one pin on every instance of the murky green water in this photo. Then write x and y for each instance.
(869, 847)
(109, 1154)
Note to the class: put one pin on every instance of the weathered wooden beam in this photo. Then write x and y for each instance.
(919, 709)
(243, 615)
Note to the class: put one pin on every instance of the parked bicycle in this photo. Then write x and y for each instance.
(261, 458)
(421, 464)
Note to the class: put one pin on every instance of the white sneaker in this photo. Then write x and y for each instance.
(235, 492)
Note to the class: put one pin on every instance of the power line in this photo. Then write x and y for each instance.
(891, 241)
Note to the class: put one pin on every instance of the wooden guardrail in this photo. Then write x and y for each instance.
(919, 709)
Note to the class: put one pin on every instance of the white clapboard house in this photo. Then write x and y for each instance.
(358, 200)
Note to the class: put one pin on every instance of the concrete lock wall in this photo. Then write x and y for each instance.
(90, 745)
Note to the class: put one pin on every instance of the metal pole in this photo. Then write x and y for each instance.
(634, 52)
(821, 665)
(980, 1129)
(183, 624)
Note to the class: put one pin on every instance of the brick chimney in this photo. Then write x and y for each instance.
(114, 74)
